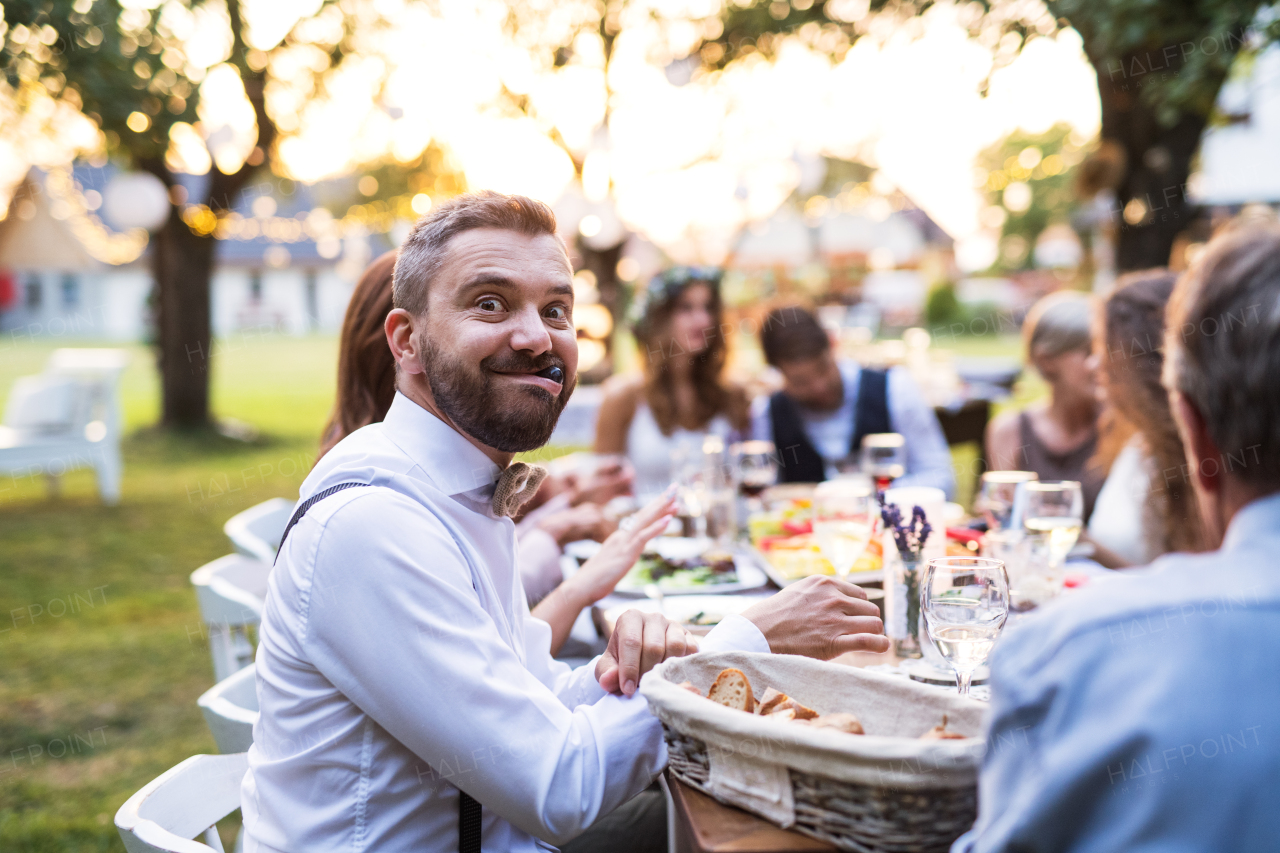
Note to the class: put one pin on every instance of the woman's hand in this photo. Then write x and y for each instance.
(600, 574)
(607, 481)
(584, 521)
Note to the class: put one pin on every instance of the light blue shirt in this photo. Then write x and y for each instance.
(1143, 713)
(928, 456)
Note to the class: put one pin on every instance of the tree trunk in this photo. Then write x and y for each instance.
(182, 262)
(1157, 157)
(183, 267)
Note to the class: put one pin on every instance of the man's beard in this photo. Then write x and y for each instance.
(521, 419)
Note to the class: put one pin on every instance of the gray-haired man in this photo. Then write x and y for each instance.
(1141, 714)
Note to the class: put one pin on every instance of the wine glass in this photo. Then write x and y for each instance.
(756, 464)
(965, 602)
(1054, 516)
(843, 521)
(1002, 498)
(884, 457)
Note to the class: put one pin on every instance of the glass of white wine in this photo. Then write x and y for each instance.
(843, 521)
(965, 602)
(1054, 516)
(1002, 498)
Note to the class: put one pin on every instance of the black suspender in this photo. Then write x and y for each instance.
(306, 505)
(469, 825)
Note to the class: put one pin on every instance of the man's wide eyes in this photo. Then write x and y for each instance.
(489, 305)
(557, 312)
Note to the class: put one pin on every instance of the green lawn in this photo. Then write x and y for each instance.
(100, 640)
(101, 649)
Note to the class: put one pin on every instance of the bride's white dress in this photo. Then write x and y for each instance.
(655, 455)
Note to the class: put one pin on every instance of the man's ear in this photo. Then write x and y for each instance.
(1202, 451)
(400, 326)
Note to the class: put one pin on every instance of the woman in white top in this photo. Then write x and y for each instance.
(1146, 507)
(682, 396)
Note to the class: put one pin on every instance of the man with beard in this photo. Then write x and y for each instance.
(408, 699)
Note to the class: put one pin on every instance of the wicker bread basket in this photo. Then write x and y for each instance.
(882, 791)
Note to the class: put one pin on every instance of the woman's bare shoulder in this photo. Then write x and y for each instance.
(1004, 425)
(617, 408)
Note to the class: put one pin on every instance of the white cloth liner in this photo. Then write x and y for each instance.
(745, 747)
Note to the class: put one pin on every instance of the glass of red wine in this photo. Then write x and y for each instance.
(884, 458)
(755, 465)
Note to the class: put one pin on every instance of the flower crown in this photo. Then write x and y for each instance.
(667, 286)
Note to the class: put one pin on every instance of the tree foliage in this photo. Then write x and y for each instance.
(1040, 168)
(1196, 38)
(132, 72)
(1159, 64)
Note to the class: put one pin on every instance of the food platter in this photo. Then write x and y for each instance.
(681, 566)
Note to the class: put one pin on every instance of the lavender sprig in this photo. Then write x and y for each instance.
(909, 536)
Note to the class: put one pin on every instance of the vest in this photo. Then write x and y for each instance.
(798, 460)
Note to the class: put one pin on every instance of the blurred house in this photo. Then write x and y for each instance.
(852, 242)
(1238, 157)
(883, 251)
(67, 271)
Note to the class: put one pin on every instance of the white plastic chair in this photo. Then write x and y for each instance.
(184, 802)
(257, 531)
(67, 418)
(230, 592)
(230, 707)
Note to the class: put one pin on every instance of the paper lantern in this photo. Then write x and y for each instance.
(135, 200)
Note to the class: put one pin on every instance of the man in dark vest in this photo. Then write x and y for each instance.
(827, 405)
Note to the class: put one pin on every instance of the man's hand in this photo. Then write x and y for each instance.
(820, 617)
(640, 641)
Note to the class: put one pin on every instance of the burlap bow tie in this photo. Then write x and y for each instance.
(516, 485)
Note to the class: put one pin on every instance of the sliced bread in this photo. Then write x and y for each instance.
(733, 690)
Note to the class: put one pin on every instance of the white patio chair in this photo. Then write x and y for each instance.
(182, 803)
(256, 532)
(230, 592)
(67, 418)
(230, 707)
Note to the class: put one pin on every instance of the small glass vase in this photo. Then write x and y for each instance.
(903, 622)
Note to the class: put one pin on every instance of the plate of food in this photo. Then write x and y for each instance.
(784, 539)
(682, 566)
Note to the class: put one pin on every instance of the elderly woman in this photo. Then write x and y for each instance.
(681, 396)
(1057, 438)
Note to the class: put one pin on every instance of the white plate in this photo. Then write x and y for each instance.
(750, 575)
(685, 607)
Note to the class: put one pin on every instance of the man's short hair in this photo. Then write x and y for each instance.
(792, 334)
(427, 247)
(1222, 348)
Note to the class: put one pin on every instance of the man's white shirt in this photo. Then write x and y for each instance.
(398, 662)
